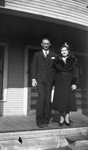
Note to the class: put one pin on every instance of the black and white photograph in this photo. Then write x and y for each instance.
(43, 74)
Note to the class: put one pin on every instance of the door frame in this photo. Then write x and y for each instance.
(27, 90)
(5, 71)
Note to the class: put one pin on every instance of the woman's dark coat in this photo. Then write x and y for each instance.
(65, 76)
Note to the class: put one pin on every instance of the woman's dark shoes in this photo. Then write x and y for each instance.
(60, 124)
(67, 120)
(67, 124)
(61, 121)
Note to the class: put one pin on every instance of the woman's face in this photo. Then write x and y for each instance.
(64, 52)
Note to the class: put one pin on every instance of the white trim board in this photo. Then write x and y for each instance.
(5, 71)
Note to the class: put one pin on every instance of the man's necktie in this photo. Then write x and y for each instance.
(45, 53)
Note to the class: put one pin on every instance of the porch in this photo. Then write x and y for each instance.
(28, 123)
(21, 133)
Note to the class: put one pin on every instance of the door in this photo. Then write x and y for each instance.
(32, 92)
(1, 70)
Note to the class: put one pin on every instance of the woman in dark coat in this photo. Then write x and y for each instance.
(65, 66)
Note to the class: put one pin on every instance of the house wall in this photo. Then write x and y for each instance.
(74, 11)
(15, 86)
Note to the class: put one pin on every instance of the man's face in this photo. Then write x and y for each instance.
(45, 44)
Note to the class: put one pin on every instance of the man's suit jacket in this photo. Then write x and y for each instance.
(42, 67)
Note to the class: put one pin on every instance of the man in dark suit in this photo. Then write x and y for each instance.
(42, 76)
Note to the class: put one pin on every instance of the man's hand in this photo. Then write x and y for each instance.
(73, 87)
(34, 82)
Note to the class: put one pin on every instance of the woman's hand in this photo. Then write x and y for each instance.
(52, 57)
(73, 87)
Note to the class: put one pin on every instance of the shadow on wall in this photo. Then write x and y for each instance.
(85, 102)
(82, 101)
(2, 2)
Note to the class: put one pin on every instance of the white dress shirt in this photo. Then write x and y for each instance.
(45, 52)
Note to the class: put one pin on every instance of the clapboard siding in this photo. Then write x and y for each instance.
(14, 104)
(70, 10)
(15, 91)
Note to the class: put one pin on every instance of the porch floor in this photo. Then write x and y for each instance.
(28, 123)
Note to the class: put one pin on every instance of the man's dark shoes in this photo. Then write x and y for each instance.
(45, 124)
(40, 125)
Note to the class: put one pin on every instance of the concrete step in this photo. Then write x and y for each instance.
(81, 145)
(57, 139)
